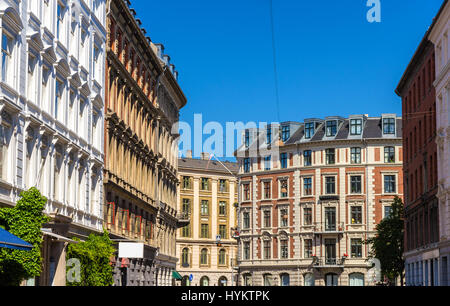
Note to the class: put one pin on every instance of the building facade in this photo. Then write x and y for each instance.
(207, 193)
(439, 36)
(51, 104)
(310, 194)
(140, 176)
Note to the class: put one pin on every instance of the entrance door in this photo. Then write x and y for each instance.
(331, 279)
(330, 251)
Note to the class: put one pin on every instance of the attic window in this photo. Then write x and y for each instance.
(285, 133)
(309, 130)
(331, 128)
(355, 126)
(388, 125)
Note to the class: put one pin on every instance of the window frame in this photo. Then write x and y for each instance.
(355, 127)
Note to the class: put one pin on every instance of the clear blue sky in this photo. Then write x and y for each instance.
(331, 60)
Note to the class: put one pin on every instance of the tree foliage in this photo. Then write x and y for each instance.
(24, 220)
(94, 255)
(387, 245)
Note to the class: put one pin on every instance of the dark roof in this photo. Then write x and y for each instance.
(296, 136)
(207, 165)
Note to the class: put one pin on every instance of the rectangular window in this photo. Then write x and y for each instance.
(307, 216)
(355, 126)
(285, 133)
(246, 220)
(186, 231)
(222, 208)
(355, 155)
(267, 162)
(247, 165)
(204, 208)
(246, 192)
(389, 155)
(387, 211)
(59, 21)
(284, 188)
(307, 186)
(204, 231)
(186, 208)
(267, 190)
(284, 160)
(58, 97)
(308, 248)
(331, 128)
(222, 186)
(355, 184)
(330, 156)
(330, 185)
(284, 217)
(246, 250)
(284, 249)
(247, 139)
(267, 249)
(389, 126)
(6, 55)
(307, 158)
(389, 183)
(205, 183)
(266, 218)
(269, 135)
(223, 231)
(309, 130)
(356, 246)
(356, 213)
(186, 182)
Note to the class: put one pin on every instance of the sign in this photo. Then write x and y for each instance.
(191, 277)
(131, 250)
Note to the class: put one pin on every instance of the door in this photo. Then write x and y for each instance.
(330, 251)
(331, 279)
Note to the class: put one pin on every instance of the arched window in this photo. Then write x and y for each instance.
(185, 281)
(285, 279)
(267, 279)
(223, 281)
(185, 257)
(204, 257)
(222, 257)
(247, 278)
(309, 280)
(356, 279)
(204, 281)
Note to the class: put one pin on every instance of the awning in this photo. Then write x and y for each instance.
(57, 237)
(176, 275)
(10, 241)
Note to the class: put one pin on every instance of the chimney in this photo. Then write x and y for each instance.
(205, 156)
(189, 153)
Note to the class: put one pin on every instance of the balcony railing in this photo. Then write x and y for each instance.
(184, 219)
(324, 227)
(328, 262)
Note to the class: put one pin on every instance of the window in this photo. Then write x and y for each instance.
(307, 186)
(309, 280)
(389, 154)
(330, 185)
(223, 231)
(355, 126)
(205, 183)
(267, 249)
(247, 138)
(204, 257)
(204, 231)
(355, 155)
(247, 165)
(284, 217)
(309, 130)
(356, 246)
(204, 281)
(58, 96)
(284, 249)
(204, 208)
(246, 192)
(31, 90)
(331, 128)
(246, 220)
(247, 279)
(284, 160)
(266, 190)
(222, 257)
(389, 183)
(185, 257)
(307, 158)
(266, 218)
(308, 248)
(267, 162)
(329, 156)
(96, 69)
(7, 47)
(269, 135)
(246, 250)
(222, 185)
(356, 214)
(186, 182)
(57, 172)
(186, 231)
(355, 184)
(307, 216)
(186, 206)
(388, 126)
(284, 188)
(356, 279)
(387, 211)
(3, 149)
(285, 133)
(222, 208)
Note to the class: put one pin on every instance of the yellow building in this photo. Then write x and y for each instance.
(207, 193)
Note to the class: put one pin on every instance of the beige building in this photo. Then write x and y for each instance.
(207, 193)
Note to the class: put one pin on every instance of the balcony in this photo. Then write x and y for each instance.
(328, 228)
(183, 219)
(326, 262)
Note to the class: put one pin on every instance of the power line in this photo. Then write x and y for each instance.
(275, 70)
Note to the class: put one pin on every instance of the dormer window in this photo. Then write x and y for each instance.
(331, 128)
(355, 126)
(388, 125)
(309, 130)
(269, 135)
(285, 133)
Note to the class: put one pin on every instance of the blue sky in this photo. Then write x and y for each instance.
(330, 59)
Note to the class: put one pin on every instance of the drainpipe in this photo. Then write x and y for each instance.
(367, 189)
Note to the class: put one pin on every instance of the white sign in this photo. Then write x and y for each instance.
(131, 250)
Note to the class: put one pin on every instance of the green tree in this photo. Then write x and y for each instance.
(94, 255)
(24, 220)
(387, 245)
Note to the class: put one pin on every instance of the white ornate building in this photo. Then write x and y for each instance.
(52, 110)
(439, 36)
